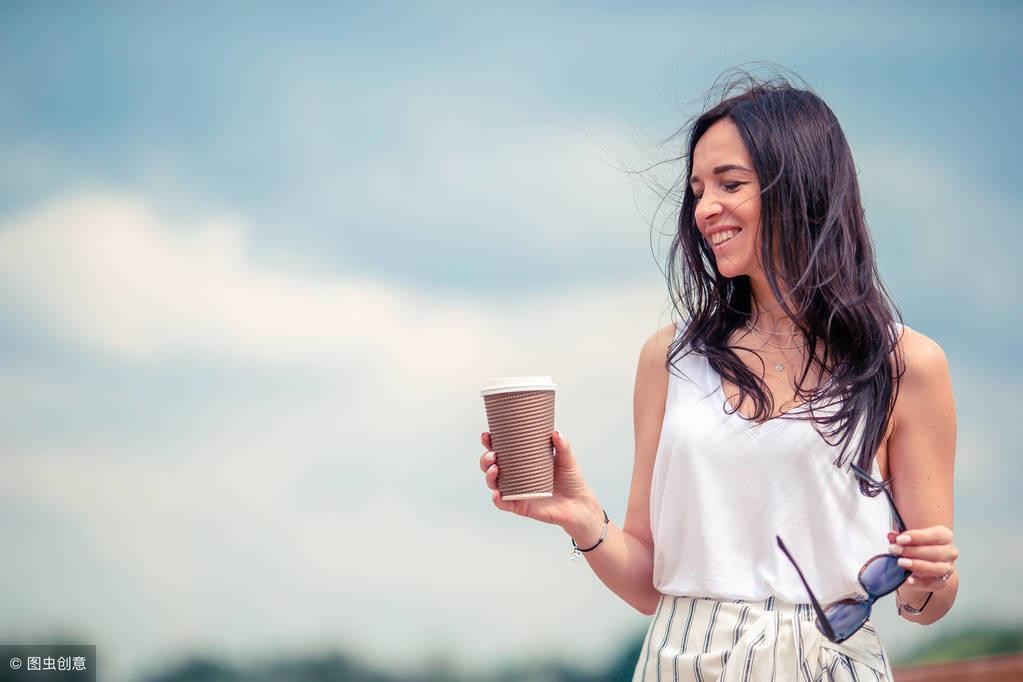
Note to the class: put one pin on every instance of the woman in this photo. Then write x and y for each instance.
(743, 434)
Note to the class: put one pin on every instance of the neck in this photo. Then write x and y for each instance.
(767, 314)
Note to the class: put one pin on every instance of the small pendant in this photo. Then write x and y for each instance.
(575, 554)
(779, 367)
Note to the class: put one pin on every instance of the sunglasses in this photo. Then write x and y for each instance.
(880, 576)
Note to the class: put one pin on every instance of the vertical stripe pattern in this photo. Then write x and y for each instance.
(700, 639)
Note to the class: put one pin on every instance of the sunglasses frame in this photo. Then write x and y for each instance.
(822, 622)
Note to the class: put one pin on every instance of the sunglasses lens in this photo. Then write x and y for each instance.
(846, 617)
(882, 575)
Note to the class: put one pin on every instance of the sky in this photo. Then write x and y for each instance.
(256, 261)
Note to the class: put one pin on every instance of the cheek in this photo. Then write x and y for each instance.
(751, 245)
(750, 217)
(751, 211)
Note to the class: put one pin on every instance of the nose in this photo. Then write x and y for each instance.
(707, 208)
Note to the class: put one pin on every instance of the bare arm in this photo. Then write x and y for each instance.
(625, 560)
(921, 461)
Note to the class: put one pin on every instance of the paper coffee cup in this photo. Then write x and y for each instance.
(520, 415)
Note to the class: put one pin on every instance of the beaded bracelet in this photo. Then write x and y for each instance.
(575, 555)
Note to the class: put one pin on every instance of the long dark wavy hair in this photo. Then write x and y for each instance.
(812, 221)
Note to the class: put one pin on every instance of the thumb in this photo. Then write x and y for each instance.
(562, 450)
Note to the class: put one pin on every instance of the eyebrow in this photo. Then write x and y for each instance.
(721, 169)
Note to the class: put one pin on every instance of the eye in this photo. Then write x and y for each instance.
(730, 187)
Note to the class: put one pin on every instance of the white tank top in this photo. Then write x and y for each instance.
(724, 486)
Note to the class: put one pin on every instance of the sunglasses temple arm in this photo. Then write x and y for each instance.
(898, 516)
(823, 619)
(895, 510)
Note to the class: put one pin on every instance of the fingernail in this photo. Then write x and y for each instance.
(895, 549)
(490, 468)
(906, 563)
(903, 539)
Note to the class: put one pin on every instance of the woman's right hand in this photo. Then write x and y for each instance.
(572, 504)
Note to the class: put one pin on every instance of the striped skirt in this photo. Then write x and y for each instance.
(713, 640)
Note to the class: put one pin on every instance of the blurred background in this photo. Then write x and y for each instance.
(256, 260)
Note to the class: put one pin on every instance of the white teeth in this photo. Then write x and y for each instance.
(722, 237)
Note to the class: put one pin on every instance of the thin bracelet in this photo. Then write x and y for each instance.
(912, 610)
(575, 555)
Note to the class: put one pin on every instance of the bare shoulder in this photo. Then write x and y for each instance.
(651, 374)
(925, 408)
(925, 361)
(655, 350)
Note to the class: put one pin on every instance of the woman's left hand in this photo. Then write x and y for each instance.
(930, 554)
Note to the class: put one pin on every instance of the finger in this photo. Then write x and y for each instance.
(485, 439)
(564, 459)
(947, 553)
(935, 535)
(561, 443)
(927, 583)
(491, 477)
(921, 568)
(501, 503)
(486, 459)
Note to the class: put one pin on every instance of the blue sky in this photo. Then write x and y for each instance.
(255, 261)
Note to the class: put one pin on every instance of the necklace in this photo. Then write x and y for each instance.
(778, 366)
(750, 324)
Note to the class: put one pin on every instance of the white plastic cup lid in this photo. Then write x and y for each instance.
(510, 384)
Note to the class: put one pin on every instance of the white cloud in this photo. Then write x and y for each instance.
(104, 271)
(338, 508)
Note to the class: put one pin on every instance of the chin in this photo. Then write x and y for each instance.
(730, 268)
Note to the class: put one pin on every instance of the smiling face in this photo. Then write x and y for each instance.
(728, 196)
